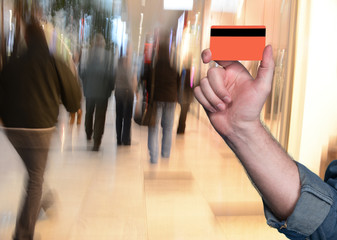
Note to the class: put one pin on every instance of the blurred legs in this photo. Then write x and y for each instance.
(165, 117)
(167, 125)
(32, 146)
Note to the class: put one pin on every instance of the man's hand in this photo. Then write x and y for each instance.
(231, 97)
(233, 100)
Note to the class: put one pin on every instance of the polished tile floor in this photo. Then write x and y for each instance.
(200, 192)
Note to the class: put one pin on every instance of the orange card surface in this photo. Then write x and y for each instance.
(230, 43)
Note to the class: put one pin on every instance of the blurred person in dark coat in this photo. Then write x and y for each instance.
(32, 85)
(98, 83)
(124, 94)
(165, 97)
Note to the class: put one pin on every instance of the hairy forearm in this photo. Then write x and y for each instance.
(270, 168)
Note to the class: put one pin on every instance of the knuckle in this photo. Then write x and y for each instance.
(203, 81)
(212, 71)
(196, 90)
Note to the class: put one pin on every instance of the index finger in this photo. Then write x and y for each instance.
(206, 57)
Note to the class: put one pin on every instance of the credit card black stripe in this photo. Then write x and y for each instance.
(235, 32)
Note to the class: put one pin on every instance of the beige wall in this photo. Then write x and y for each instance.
(314, 111)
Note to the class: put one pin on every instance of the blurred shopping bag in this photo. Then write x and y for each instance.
(139, 105)
(145, 109)
(149, 116)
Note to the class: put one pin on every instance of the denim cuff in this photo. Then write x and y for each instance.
(311, 208)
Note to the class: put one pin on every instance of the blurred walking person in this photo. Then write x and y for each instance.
(32, 84)
(165, 97)
(98, 84)
(124, 94)
(75, 69)
(186, 95)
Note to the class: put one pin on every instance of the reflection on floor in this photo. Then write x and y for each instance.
(201, 192)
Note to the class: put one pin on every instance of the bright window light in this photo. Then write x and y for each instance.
(178, 4)
(230, 6)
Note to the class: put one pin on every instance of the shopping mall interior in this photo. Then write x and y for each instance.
(201, 191)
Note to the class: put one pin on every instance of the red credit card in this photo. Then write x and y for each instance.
(230, 43)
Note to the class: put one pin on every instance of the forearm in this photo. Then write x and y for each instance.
(270, 168)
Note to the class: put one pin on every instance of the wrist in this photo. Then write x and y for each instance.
(246, 132)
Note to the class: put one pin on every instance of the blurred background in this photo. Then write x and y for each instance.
(300, 110)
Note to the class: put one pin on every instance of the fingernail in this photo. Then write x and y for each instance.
(227, 99)
(221, 106)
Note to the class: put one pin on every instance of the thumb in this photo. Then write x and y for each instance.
(265, 72)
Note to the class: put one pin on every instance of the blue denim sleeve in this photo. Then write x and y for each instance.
(315, 214)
